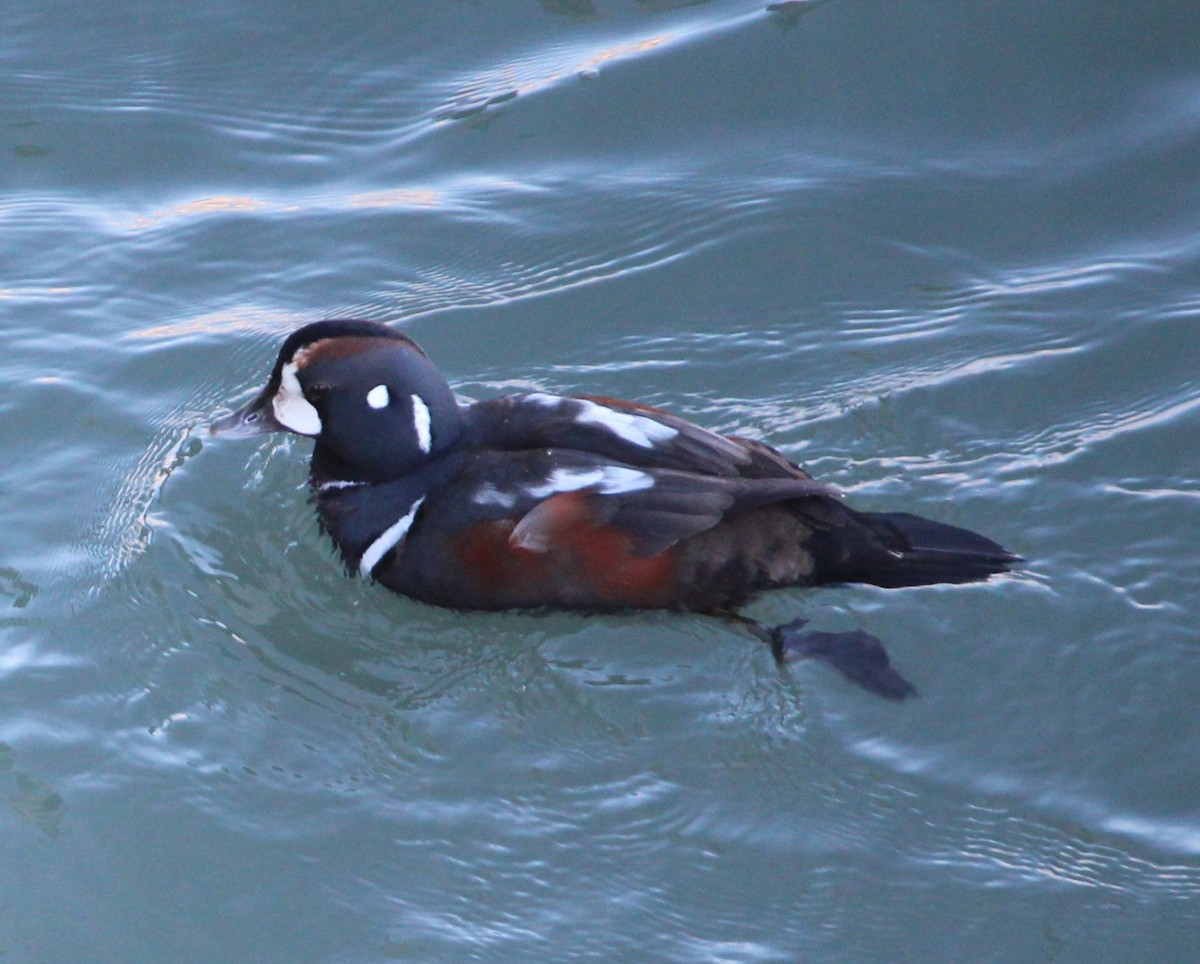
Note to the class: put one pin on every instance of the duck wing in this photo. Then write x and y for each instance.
(620, 431)
(549, 493)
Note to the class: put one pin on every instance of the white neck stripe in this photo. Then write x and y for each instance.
(421, 423)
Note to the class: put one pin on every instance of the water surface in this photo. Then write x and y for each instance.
(949, 260)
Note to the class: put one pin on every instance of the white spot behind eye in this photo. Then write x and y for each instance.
(378, 397)
(292, 410)
(421, 423)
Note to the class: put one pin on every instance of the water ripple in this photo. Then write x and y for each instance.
(1007, 846)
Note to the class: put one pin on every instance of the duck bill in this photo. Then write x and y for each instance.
(257, 418)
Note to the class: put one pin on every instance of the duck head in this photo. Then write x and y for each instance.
(370, 397)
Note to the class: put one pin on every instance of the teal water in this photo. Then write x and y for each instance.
(947, 256)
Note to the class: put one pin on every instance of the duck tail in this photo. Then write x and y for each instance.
(897, 549)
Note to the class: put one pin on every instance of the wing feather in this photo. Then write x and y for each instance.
(557, 461)
(624, 432)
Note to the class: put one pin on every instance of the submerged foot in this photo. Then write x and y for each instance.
(857, 655)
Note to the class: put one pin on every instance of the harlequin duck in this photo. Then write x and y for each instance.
(578, 502)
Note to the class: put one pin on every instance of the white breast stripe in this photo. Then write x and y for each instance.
(421, 422)
(637, 429)
(387, 540)
(292, 409)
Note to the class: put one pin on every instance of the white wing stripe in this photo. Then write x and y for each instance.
(607, 480)
(636, 429)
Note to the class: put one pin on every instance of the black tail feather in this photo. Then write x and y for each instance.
(896, 549)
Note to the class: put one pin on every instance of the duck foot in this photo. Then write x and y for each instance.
(857, 655)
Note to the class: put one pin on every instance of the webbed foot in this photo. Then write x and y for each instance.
(857, 655)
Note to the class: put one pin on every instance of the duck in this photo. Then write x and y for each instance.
(537, 501)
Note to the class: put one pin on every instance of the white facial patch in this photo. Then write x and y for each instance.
(607, 480)
(636, 429)
(388, 540)
(421, 423)
(292, 410)
(378, 397)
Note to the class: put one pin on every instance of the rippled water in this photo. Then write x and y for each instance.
(947, 258)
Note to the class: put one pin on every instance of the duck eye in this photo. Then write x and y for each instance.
(315, 393)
